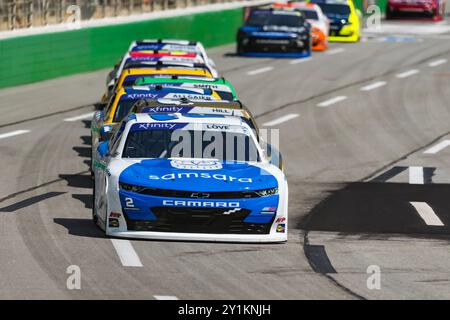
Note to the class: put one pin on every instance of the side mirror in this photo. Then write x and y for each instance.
(105, 133)
(103, 149)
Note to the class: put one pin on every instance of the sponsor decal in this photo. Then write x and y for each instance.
(221, 110)
(200, 204)
(113, 223)
(201, 175)
(135, 96)
(156, 126)
(218, 127)
(115, 215)
(281, 228)
(189, 96)
(279, 220)
(165, 109)
(196, 164)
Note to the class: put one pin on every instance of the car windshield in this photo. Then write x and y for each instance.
(123, 108)
(333, 9)
(310, 14)
(263, 18)
(224, 146)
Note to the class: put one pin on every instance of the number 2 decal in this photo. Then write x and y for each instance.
(129, 202)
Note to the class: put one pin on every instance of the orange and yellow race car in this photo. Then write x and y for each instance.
(129, 76)
(320, 25)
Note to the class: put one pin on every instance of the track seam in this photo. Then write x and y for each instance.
(327, 276)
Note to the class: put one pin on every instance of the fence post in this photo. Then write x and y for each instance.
(12, 15)
(29, 13)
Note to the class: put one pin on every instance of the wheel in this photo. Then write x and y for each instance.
(388, 13)
(94, 213)
(239, 49)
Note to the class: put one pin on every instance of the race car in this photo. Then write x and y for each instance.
(167, 45)
(129, 76)
(153, 181)
(221, 86)
(165, 51)
(345, 23)
(122, 102)
(275, 32)
(319, 22)
(434, 9)
(128, 58)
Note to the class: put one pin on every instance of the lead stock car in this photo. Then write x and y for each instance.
(145, 187)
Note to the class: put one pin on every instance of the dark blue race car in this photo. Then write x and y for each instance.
(275, 33)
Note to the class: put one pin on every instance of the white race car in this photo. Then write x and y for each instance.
(189, 177)
(162, 51)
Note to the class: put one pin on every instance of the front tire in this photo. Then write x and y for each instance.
(94, 212)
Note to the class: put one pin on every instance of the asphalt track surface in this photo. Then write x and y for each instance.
(365, 187)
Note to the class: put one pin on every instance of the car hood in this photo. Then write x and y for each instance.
(337, 18)
(272, 31)
(196, 174)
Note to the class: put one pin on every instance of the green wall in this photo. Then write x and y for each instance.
(39, 57)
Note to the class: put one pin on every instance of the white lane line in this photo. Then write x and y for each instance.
(126, 253)
(334, 51)
(13, 133)
(166, 298)
(436, 63)
(373, 86)
(427, 214)
(80, 117)
(301, 60)
(281, 120)
(260, 70)
(407, 73)
(438, 147)
(331, 101)
(416, 175)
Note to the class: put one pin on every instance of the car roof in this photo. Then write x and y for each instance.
(299, 5)
(167, 70)
(181, 79)
(185, 118)
(188, 103)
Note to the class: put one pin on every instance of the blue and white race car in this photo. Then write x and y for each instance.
(188, 177)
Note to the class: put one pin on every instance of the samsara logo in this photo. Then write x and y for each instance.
(196, 164)
(201, 175)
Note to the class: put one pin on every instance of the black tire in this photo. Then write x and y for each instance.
(388, 13)
(239, 49)
(94, 214)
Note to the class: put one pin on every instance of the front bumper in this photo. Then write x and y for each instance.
(210, 237)
(144, 216)
(347, 33)
(274, 47)
(409, 7)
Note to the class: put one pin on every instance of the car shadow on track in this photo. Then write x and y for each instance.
(86, 140)
(374, 207)
(80, 227)
(86, 199)
(78, 180)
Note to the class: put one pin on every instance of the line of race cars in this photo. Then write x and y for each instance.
(176, 155)
(295, 29)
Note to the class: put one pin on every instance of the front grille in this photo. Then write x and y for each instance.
(199, 220)
(274, 45)
(169, 193)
